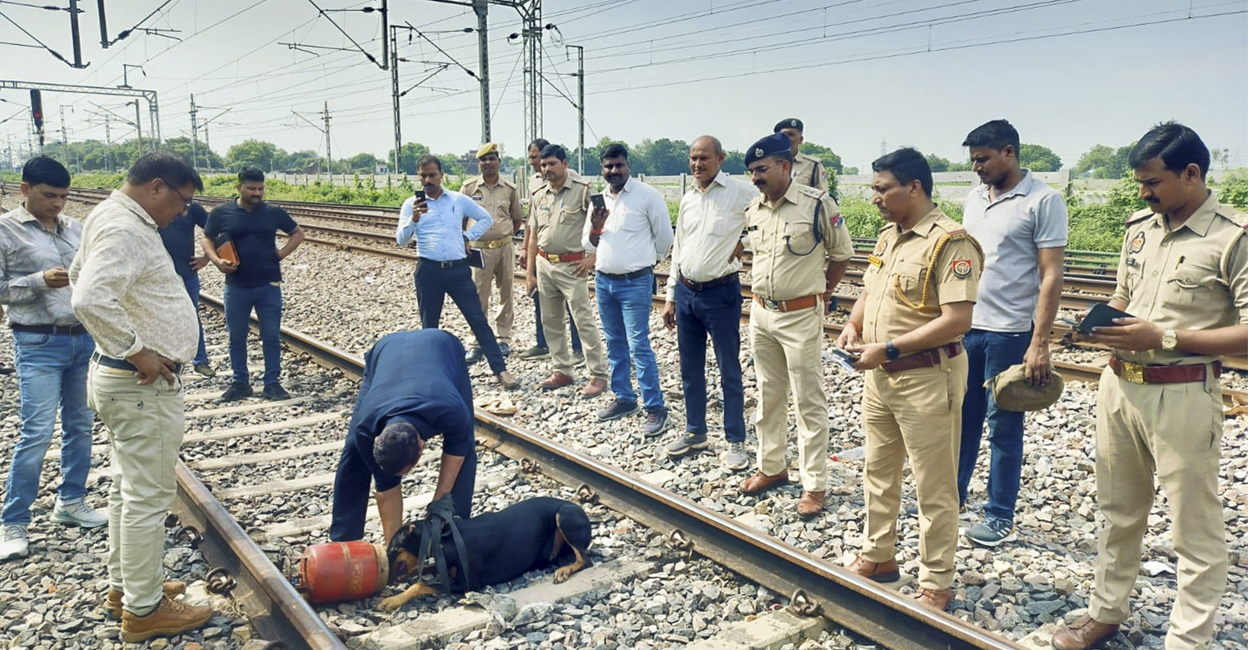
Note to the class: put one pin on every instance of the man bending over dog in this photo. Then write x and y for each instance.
(415, 387)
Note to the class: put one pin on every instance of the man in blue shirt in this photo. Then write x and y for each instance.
(179, 240)
(415, 387)
(436, 223)
(256, 282)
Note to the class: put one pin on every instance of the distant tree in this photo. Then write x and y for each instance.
(662, 157)
(937, 163)
(251, 152)
(363, 162)
(451, 164)
(1104, 162)
(851, 171)
(825, 155)
(1039, 158)
(297, 161)
(734, 162)
(407, 157)
(593, 156)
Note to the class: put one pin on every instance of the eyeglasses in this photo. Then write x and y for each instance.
(185, 199)
(761, 169)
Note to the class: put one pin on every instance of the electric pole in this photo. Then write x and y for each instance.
(483, 66)
(580, 106)
(394, 85)
(108, 141)
(194, 136)
(532, 32)
(138, 126)
(329, 158)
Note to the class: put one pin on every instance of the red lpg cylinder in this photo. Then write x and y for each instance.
(331, 573)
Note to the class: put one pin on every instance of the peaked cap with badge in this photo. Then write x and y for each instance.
(772, 145)
(790, 123)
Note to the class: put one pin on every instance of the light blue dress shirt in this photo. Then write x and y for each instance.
(440, 233)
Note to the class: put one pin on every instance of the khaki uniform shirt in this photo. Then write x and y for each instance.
(1193, 278)
(788, 262)
(808, 171)
(502, 202)
(902, 276)
(557, 218)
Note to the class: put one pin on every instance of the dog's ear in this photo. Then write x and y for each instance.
(408, 536)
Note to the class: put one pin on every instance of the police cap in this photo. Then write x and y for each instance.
(790, 123)
(487, 149)
(771, 145)
(1012, 392)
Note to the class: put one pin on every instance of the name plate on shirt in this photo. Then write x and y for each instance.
(875, 261)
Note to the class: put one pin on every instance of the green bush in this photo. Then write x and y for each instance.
(1233, 190)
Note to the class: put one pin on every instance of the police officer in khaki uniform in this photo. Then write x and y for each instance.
(807, 170)
(907, 326)
(1183, 276)
(501, 199)
(792, 228)
(559, 267)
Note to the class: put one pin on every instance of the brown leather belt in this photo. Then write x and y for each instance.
(699, 286)
(566, 257)
(924, 359)
(1139, 374)
(805, 302)
(490, 245)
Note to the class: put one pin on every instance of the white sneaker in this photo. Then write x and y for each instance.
(13, 543)
(77, 513)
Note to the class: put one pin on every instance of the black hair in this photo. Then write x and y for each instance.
(1178, 146)
(251, 174)
(170, 168)
(540, 143)
(995, 135)
(429, 159)
(615, 150)
(908, 165)
(45, 170)
(554, 151)
(397, 448)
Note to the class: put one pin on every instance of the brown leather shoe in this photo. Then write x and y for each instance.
(760, 482)
(556, 380)
(112, 600)
(594, 388)
(885, 571)
(508, 380)
(810, 505)
(937, 599)
(1085, 633)
(169, 618)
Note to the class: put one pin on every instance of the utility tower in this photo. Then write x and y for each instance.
(531, 13)
(580, 107)
(194, 136)
(329, 157)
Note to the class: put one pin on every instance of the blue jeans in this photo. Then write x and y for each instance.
(624, 309)
(988, 354)
(715, 311)
(266, 299)
(51, 372)
(541, 332)
(192, 289)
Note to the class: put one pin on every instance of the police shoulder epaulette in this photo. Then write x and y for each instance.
(471, 182)
(1140, 215)
(885, 227)
(812, 192)
(758, 200)
(581, 179)
(507, 183)
(537, 187)
(1233, 215)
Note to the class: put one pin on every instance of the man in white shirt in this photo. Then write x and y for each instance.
(704, 297)
(631, 233)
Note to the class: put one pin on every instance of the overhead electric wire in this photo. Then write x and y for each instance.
(36, 39)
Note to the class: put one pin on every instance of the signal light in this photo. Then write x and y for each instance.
(36, 109)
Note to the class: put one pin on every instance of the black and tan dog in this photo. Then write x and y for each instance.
(499, 546)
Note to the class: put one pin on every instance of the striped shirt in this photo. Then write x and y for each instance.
(708, 228)
(27, 249)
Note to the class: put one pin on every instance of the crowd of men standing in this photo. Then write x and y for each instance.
(102, 322)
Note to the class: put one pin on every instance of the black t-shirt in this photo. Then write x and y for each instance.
(253, 234)
(179, 237)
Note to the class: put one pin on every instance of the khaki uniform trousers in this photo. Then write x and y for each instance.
(788, 352)
(145, 425)
(557, 284)
(499, 268)
(915, 413)
(1175, 431)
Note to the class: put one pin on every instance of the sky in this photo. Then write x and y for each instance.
(864, 75)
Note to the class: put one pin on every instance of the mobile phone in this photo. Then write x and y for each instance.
(846, 358)
(1101, 315)
(420, 195)
(1068, 322)
(599, 202)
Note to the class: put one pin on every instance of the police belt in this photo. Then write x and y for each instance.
(805, 302)
(925, 359)
(122, 364)
(49, 329)
(1140, 374)
(566, 257)
(490, 245)
(699, 286)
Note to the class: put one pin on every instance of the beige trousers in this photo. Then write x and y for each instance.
(1175, 432)
(788, 353)
(915, 413)
(145, 425)
(557, 284)
(500, 269)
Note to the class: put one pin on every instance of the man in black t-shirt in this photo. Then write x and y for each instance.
(255, 282)
(179, 240)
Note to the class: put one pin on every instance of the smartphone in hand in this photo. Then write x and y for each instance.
(846, 358)
(420, 195)
(599, 202)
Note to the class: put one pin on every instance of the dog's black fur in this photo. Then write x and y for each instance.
(500, 546)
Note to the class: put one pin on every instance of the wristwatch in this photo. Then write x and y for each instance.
(1169, 340)
(891, 351)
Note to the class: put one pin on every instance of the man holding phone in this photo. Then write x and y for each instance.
(434, 218)
(1183, 274)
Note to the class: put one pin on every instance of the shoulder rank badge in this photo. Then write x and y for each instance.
(1137, 243)
(874, 258)
(961, 269)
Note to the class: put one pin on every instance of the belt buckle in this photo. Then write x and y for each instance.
(773, 305)
(1132, 372)
(553, 259)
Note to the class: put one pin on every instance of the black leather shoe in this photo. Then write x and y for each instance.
(236, 392)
